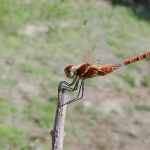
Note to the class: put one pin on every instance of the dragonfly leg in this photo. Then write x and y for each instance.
(66, 83)
(76, 99)
(76, 85)
(72, 88)
(73, 82)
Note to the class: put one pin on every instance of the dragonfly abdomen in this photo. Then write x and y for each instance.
(109, 69)
(144, 56)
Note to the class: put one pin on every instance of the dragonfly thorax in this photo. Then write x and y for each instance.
(70, 71)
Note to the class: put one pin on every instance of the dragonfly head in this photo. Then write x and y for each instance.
(70, 71)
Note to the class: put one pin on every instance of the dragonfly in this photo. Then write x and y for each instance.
(98, 61)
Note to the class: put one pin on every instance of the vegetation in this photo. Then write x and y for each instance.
(37, 40)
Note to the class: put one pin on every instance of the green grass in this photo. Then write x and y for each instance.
(135, 108)
(6, 110)
(32, 65)
(38, 71)
(12, 137)
(41, 114)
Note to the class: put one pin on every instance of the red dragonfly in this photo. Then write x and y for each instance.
(98, 62)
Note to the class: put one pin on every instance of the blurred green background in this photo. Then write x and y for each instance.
(38, 38)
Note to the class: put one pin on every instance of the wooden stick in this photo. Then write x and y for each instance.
(58, 132)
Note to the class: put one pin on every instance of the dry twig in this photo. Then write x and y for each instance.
(58, 132)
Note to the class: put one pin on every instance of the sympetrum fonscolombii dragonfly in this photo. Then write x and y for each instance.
(98, 62)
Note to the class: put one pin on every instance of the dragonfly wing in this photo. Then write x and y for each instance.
(119, 67)
(102, 50)
(98, 48)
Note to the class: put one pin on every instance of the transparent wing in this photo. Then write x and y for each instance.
(98, 48)
(111, 63)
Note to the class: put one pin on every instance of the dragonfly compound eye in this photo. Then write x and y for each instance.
(69, 71)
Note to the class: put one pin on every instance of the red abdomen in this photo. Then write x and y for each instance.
(144, 56)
